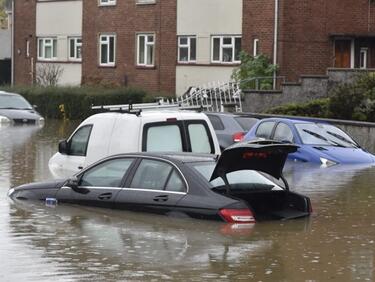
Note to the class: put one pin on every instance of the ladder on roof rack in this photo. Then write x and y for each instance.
(215, 97)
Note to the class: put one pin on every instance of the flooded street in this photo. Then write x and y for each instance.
(72, 243)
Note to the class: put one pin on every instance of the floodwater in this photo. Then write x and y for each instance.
(72, 243)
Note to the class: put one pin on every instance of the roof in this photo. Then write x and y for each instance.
(294, 120)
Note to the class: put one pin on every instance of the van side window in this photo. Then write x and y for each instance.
(265, 129)
(79, 141)
(164, 138)
(199, 140)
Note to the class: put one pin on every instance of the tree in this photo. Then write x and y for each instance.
(254, 72)
(48, 74)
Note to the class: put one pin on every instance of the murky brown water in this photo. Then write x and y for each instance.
(70, 243)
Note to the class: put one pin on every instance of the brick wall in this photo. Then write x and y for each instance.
(305, 46)
(24, 29)
(126, 19)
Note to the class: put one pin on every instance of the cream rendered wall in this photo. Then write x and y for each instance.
(204, 18)
(61, 19)
(191, 75)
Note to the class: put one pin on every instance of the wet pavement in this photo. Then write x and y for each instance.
(72, 243)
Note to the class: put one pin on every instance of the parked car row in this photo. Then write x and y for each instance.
(215, 166)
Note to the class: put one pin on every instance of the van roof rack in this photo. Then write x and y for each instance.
(137, 108)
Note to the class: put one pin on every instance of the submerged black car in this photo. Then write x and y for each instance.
(231, 188)
(16, 110)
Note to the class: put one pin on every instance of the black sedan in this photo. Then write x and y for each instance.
(232, 188)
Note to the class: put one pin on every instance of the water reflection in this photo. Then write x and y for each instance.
(71, 243)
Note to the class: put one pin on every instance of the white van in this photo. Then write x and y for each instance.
(111, 133)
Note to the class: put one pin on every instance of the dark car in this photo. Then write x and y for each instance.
(318, 142)
(14, 109)
(230, 128)
(188, 185)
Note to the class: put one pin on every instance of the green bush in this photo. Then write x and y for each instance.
(315, 108)
(75, 102)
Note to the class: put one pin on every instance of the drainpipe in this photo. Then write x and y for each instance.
(275, 39)
(12, 47)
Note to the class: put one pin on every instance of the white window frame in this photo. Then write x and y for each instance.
(255, 47)
(107, 2)
(363, 62)
(222, 46)
(145, 2)
(147, 43)
(50, 42)
(107, 42)
(188, 45)
(77, 45)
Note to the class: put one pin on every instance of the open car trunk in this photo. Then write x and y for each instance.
(274, 204)
(267, 201)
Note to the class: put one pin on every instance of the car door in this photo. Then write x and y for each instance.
(284, 133)
(265, 129)
(64, 164)
(155, 186)
(98, 185)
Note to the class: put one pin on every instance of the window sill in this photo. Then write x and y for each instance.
(145, 3)
(146, 67)
(107, 66)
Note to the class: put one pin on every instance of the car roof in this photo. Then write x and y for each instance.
(8, 93)
(172, 156)
(292, 120)
(159, 114)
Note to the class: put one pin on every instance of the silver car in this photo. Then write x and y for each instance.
(16, 110)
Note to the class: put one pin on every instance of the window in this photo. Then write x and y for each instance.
(216, 122)
(47, 48)
(107, 2)
(107, 49)
(265, 129)
(255, 47)
(226, 49)
(107, 174)
(363, 58)
(283, 133)
(145, 1)
(79, 141)
(75, 49)
(164, 138)
(187, 49)
(145, 49)
(199, 140)
(157, 175)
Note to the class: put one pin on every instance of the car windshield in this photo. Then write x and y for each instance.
(324, 134)
(14, 102)
(248, 179)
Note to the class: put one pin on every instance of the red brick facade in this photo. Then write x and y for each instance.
(126, 19)
(24, 30)
(307, 32)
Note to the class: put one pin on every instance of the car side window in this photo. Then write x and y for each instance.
(154, 175)
(199, 140)
(216, 122)
(283, 133)
(265, 129)
(79, 141)
(164, 138)
(175, 183)
(107, 174)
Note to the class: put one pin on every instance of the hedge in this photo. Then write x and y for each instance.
(75, 102)
(315, 108)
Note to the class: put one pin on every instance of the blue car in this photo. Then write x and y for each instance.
(318, 142)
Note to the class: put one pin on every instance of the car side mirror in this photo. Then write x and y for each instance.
(35, 107)
(73, 183)
(63, 147)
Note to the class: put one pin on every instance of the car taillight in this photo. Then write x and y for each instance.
(238, 136)
(237, 215)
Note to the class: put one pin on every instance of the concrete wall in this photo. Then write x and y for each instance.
(190, 75)
(70, 75)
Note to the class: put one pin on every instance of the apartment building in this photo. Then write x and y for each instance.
(169, 45)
